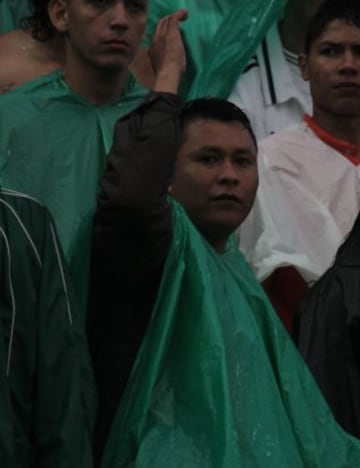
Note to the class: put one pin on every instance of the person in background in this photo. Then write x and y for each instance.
(326, 330)
(271, 88)
(33, 50)
(308, 197)
(47, 395)
(36, 49)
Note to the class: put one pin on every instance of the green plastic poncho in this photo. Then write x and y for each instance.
(217, 382)
(11, 12)
(53, 147)
(220, 37)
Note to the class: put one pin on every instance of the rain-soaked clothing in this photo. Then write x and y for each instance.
(46, 389)
(327, 332)
(53, 146)
(216, 382)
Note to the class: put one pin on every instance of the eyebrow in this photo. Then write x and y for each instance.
(218, 150)
(337, 43)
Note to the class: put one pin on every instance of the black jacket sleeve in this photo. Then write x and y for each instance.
(132, 235)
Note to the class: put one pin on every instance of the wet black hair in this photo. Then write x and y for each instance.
(347, 11)
(213, 109)
(39, 21)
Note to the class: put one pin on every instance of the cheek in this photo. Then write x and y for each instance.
(139, 28)
(250, 184)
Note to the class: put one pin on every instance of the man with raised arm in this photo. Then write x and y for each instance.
(192, 365)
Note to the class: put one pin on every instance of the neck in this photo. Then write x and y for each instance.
(50, 51)
(217, 243)
(292, 27)
(97, 85)
(56, 50)
(345, 128)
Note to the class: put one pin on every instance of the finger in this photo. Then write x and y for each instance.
(180, 15)
(162, 26)
(175, 18)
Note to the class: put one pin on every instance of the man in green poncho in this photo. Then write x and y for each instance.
(47, 394)
(184, 342)
(55, 131)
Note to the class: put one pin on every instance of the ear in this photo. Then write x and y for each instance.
(58, 14)
(303, 65)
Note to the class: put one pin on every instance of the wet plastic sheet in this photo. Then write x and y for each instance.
(217, 382)
(53, 147)
(236, 40)
(11, 12)
(220, 38)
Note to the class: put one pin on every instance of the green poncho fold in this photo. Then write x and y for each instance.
(11, 12)
(53, 147)
(220, 37)
(217, 382)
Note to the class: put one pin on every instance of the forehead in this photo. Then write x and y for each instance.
(105, 4)
(202, 132)
(339, 31)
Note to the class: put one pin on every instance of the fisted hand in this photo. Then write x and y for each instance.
(167, 52)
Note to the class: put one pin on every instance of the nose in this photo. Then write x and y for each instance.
(350, 63)
(119, 15)
(228, 173)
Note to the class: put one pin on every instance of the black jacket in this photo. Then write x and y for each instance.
(132, 234)
(327, 332)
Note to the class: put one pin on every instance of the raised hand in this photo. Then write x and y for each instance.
(167, 52)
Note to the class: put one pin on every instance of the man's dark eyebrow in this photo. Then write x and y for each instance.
(330, 43)
(218, 150)
(204, 149)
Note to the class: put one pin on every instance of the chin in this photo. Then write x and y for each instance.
(113, 64)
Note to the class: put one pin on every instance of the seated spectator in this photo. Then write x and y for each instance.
(271, 88)
(309, 192)
(215, 381)
(327, 330)
(55, 131)
(46, 389)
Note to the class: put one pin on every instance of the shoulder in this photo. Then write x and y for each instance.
(248, 80)
(12, 40)
(42, 86)
(22, 59)
(295, 136)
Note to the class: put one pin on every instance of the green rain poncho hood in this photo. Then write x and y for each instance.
(217, 382)
(53, 147)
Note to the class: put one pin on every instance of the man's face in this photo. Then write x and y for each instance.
(104, 33)
(216, 176)
(333, 69)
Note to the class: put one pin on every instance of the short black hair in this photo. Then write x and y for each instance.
(347, 11)
(213, 109)
(39, 21)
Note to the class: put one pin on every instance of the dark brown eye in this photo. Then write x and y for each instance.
(136, 6)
